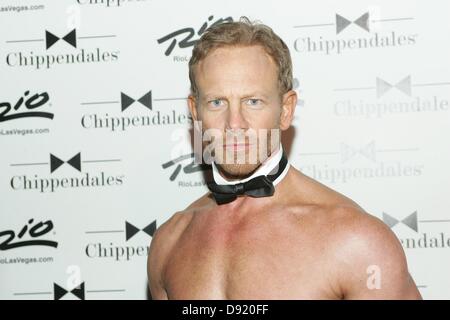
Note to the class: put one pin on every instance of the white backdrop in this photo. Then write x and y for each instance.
(93, 109)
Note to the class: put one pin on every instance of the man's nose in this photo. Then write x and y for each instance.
(235, 118)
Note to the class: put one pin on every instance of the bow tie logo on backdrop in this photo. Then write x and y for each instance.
(260, 186)
(56, 162)
(410, 221)
(342, 23)
(70, 38)
(368, 151)
(403, 85)
(131, 230)
(145, 100)
(59, 292)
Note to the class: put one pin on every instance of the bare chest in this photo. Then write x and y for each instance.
(268, 260)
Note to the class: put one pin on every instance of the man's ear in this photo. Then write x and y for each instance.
(289, 102)
(192, 104)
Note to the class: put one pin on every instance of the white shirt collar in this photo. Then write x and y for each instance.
(264, 169)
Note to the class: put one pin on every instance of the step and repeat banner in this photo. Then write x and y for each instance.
(95, 134)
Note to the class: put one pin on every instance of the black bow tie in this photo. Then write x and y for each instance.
(260, 186)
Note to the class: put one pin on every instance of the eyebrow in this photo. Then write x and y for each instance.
(219, 96)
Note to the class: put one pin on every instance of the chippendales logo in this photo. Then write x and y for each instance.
(184, 37)
(419, 239)
(52, 49)
(366, 32)
(53, 182)
(360, 162)
(78, 292)
(59, 292)
(131, 113)
(385, 98)
(110, 250)
(31, 234)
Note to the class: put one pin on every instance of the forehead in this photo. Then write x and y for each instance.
(237, 69)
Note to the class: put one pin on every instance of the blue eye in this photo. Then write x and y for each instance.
(253, 102)
(216, 102)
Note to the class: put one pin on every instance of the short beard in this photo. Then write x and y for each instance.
(237, 171)
(239, 164)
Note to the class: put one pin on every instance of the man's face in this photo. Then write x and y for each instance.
(239, 97)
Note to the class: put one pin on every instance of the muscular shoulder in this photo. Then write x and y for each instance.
(167, 233)
(352, 228)
(368, 258)
(163, 241)
(166, 236)
(170, 231)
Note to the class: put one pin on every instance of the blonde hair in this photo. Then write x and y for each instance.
(244, 33)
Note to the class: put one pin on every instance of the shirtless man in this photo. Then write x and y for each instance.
(304, 241)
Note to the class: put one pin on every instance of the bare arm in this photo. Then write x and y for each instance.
(373, 263)
(155, 268)
(162, 241)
